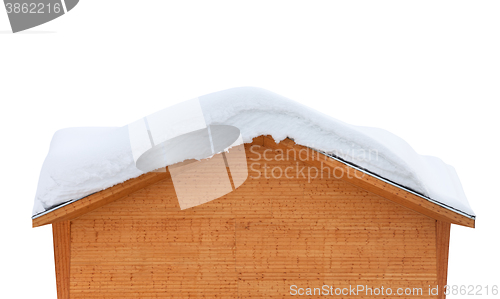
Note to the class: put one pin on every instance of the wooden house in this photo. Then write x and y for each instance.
(274, 236)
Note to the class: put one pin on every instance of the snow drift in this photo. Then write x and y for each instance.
(82, 161)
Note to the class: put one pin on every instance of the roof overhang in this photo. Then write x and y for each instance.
(369, 182)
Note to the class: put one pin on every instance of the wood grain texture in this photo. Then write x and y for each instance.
(442, 249)
(318, 160)
(96, 200)
(373, 184)
(255, 242)
(62, 244)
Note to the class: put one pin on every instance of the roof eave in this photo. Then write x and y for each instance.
(369, 182)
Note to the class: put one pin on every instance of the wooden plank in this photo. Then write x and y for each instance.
(442, 249)
(372, 184)
(99, 199)
(61, 234)
(320, 161)
(254, 242)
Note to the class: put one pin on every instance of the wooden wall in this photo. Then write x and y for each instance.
(255, 242)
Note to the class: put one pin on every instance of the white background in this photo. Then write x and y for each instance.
(428, 71)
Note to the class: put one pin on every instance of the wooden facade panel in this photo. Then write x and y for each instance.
(153, 256)
(62, 249)
(255, 242)
(442, 248)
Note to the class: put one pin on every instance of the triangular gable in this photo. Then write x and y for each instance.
(367, 182)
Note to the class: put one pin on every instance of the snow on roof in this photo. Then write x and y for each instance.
(82, 161)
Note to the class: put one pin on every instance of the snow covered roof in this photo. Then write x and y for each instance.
(82, 161)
